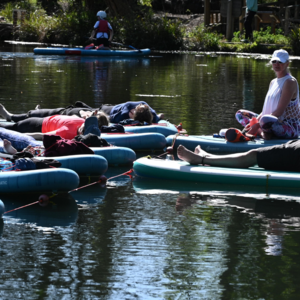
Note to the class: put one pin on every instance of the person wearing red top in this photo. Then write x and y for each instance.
(66, 127)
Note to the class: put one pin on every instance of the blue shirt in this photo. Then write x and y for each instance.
(121, 111)
(251, 5)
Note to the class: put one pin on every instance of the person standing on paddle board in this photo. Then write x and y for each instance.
(280, 116)
(104, 32)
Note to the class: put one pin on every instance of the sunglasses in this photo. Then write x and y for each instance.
(276, 61)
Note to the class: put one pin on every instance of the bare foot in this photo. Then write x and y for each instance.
(201, 152)
(4, 113)
(189, 156)
(38, 107)
(8, 147)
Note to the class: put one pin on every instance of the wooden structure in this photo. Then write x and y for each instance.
(266, 17)
(291, 16)
(282, 13)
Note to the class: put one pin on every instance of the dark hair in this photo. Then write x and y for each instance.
(102, 119)
(143, 113)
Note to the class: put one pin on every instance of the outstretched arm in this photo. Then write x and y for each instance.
(39, 135)
(36, 135)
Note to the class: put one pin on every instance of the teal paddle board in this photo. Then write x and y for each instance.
(183, 171)
(219, 145)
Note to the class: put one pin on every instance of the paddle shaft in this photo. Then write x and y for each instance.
(119, 44)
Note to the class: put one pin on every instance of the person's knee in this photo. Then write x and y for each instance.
(252, 156)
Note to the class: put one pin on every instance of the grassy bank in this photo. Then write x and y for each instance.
(72, 26)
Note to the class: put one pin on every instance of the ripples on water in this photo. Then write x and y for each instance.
(143, 239)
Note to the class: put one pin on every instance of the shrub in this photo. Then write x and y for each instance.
(146, 31)
(205, 39)
(294, 39)
(263, 36)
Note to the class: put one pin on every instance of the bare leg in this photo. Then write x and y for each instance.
(8, 147)
(4, 113)
(236, 160)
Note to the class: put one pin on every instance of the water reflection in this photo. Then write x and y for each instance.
(62, 211)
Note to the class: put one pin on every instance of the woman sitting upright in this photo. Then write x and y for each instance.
(280, 116)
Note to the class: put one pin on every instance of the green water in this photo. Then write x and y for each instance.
(143, 239)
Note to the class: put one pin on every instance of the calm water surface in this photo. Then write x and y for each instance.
(147, 239)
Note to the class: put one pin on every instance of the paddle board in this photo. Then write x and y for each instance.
(219, 145)
(183, 171)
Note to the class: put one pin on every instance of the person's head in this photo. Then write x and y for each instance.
(280, 60)
(101, 14)
(89, 126)
(103, 119)
(143, 113)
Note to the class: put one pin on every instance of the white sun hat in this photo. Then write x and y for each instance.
(280, 55)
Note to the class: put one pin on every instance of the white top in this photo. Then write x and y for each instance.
(291, 115)
(102, 34)
(274, 94)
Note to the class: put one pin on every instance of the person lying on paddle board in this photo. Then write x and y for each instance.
(285, 157)
(104, 33)
(66, 127)
(139, 111)
(70, 110)
(280, 116)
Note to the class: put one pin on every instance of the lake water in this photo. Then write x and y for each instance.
(148, 239)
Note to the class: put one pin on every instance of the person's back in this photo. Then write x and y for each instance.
(65, 126)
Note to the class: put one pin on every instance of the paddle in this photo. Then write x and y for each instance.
(127, 46)
(119, 44)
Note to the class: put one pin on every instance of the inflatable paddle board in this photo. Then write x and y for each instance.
(164, 127)
(219, 145)
(91, 52)
(183, 171)
(136, 141)
(83, 165)
(43, 180)
(116, 156)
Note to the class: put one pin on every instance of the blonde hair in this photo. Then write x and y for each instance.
(103, 119)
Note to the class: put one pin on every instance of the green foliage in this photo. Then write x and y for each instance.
(264, 36)
(6, 12)
(148, 31)
(205, 39)
(267, 37)
(294, 39)
(146, 2)
(69, 26)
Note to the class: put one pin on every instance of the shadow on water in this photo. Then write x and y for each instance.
(258, 192)
(61, 211)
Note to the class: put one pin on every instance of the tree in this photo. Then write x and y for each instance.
(121, 8)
